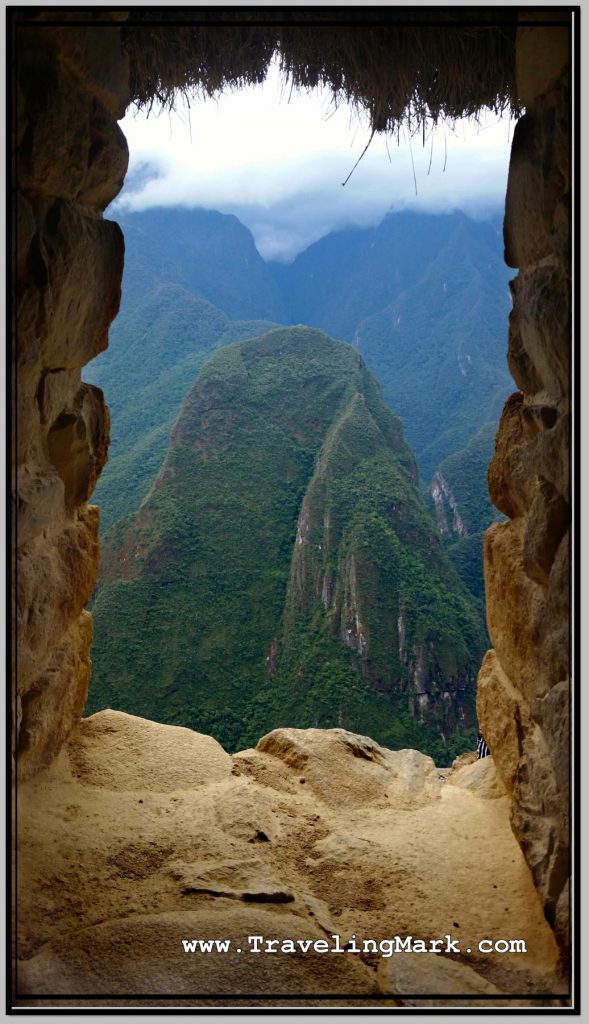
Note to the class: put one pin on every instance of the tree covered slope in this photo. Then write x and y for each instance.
(424, 298)
(283, 569)
(178, 264)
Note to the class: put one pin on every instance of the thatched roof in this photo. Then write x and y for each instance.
(403, 65)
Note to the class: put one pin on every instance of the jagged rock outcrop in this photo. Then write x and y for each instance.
(140, 835)
(448, 514)
(523, 686)
(72, 157)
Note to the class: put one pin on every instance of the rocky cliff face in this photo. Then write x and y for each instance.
(523, 688)
(448, 517)
(72, 86)
(285, 531)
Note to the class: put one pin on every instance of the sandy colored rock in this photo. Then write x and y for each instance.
(549, 457)
(73, 84)
(531, 762)
(406, 974)
(98, 960)
(53, 705)
(77, 310)
(548, 521)
(40, 501)
(517, 640)
(78, 443)
(480, 778)
(466, 758)
(121, 752)
(502, 714)
(522, 690)
(54, 583)
(341, 767)
(552, 713)
(138, 835)
(511, 481)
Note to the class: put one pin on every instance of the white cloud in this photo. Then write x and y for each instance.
(278, 161)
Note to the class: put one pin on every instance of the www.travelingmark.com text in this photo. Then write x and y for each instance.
(386, 947)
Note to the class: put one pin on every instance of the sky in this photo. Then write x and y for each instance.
(278, 160)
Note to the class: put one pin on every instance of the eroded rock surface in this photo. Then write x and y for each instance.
(72, 85)
(140, 835)
(523, 686)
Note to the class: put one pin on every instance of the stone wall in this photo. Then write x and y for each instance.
(70, 87)
(523, 688)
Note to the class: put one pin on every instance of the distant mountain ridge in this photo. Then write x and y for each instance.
(284, 565)
(425, 298)
(177, 264)
(422, 296)
(210, 254)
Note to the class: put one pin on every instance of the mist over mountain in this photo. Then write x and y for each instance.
(423, 297)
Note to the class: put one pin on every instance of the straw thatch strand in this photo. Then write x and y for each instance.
(404, 66)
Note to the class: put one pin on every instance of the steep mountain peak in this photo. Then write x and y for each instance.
(286, 535)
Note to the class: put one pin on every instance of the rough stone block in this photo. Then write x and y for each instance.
(479, 777)
(406, 974)
(539, 325)
(80, 262)
(503, 714)
(56, 391)
(39, 502)
(78, 444)
(525, 233)
(538, 183)
(541, 55)
(555, 622)
(54, 702)
(55, 579)
(511, 480)
(552, 713)
(72, 146)
(515, 606)
(551, 453)
(548, 521)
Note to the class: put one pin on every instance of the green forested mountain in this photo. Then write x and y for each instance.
(317, 590)
(351, 274)
(424, 298)
(166, 330)
(283, 569)
(212, 255)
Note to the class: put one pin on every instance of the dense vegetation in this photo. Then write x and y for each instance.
(177, 264)
(425, 299)
(283, 570)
